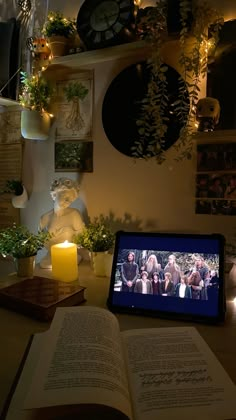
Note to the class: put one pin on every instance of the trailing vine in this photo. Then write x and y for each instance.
(207, 21)
(152, 123)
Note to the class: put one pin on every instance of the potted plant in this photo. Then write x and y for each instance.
(58, 30)
(189, 49)
(18, 242)
(35, 97)
(17, 188)
(98, 239)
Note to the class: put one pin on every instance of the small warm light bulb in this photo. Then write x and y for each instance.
(51, 115)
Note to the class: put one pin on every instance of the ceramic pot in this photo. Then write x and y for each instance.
(25, 266)
(101, 263)
(35, 125)
(58, 45)
(19, 201)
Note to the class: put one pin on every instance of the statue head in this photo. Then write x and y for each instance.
(63, 192)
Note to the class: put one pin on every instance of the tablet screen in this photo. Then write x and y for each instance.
(168, 275)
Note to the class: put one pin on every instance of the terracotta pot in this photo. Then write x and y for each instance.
(58, 45)
(25, 266)
(35, 125)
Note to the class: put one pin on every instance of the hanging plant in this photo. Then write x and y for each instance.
(35, 93)
(35, 98)
(152, 122)
(204, 36)
(155, 108)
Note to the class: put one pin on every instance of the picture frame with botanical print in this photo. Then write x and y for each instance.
(74, 107)
(74, 156)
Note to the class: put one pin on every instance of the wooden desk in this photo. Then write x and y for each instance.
(16, 328)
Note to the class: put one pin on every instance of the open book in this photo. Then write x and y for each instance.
(83, 367)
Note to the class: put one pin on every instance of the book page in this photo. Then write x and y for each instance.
(173, 374)
(82, 362)
(15, 409)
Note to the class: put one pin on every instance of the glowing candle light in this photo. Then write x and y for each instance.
(64, 261)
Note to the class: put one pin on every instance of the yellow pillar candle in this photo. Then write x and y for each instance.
(64, 261)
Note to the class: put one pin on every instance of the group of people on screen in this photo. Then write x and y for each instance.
(152, 278)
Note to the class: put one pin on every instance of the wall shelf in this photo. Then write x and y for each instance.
(9, 102)
(102, 55)
(217, 136)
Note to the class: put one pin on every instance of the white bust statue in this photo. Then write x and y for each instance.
(62, 221)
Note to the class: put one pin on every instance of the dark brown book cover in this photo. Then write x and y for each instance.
(40, 296)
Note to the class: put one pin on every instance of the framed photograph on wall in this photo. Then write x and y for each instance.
(74, 107)
(74, 156)
(216, 179)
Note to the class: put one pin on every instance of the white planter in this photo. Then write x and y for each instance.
(102, 263)
(34, 125)
(20, 201)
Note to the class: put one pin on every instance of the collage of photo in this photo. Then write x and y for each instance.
(216, 179)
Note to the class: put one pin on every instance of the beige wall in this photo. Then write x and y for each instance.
(156, 197)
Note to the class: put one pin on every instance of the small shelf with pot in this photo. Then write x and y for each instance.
(92, 57)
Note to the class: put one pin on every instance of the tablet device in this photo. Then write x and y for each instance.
(168, 275)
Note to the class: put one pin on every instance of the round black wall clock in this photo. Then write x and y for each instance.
(103, 23)
(121, 107)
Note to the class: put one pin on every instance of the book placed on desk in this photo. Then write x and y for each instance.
(40, 296)
(84, 367)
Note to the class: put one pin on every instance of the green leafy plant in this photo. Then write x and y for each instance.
(96, 236)
(35, 93)
(204, 35)
(75, 90)
(57, 24)
(17, 241)
(153, 120)
(13, 186)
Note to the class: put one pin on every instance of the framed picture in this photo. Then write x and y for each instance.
(220, 157)
(216, 179)
(74, 156)
(74, 104)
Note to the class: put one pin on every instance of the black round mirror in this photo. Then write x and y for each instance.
(121, 107)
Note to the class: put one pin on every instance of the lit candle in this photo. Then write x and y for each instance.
(64, 261)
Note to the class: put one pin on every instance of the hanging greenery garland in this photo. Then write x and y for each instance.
(194, 44)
